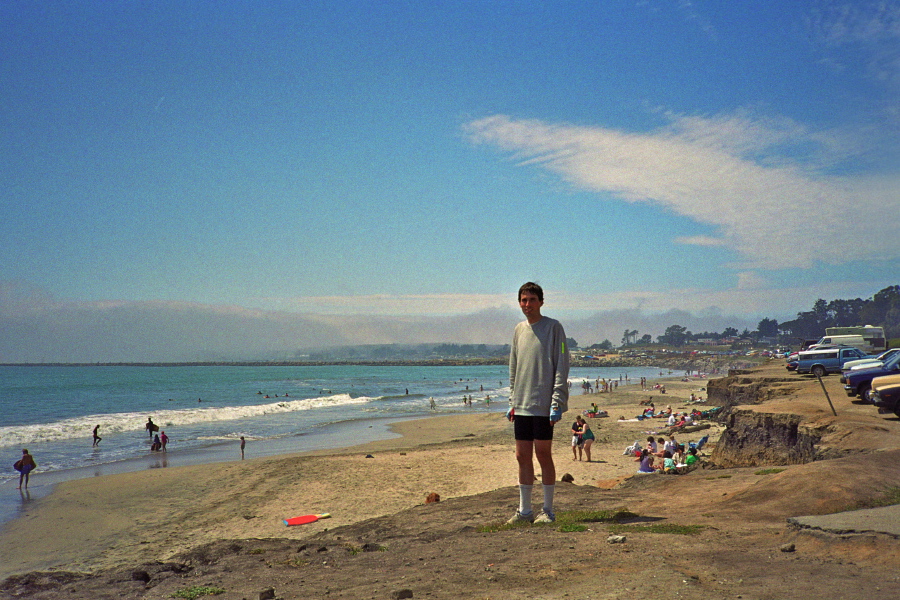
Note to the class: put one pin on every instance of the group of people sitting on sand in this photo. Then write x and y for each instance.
(694, 399)
(675, 457)
(673, 419)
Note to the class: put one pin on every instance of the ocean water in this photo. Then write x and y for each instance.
(52, 410)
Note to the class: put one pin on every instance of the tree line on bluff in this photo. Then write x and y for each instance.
(881, 310)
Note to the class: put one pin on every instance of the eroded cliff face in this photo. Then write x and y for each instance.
(754, 437)
(739, 388)
(757, 439)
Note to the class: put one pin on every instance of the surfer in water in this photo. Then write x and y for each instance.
(150, 426)
(24, 466)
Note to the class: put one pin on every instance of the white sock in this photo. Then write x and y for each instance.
(525, 499)
(548, 498)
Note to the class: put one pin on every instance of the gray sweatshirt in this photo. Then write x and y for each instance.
(539, 368)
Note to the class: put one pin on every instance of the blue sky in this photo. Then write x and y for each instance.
(341, 172)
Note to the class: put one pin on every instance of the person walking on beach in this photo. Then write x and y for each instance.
(243, 445)
(97, 437)
(163, 439)
(24, 466)
(538, 397)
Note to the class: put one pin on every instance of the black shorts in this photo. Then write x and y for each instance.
(530, 428)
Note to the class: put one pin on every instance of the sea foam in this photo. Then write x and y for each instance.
(81, 427)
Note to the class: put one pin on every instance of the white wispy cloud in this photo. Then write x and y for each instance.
(692, 14)
(863, 36)
(700, 240)
(869, 22)
(761, 182)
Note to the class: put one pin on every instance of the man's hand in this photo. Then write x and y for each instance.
(511, 414)
(555, 415)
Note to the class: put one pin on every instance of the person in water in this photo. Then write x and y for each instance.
(97, 437)
(24, 466)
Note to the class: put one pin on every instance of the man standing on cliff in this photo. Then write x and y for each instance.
(538, 397)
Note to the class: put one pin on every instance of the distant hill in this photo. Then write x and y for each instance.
(405, 352)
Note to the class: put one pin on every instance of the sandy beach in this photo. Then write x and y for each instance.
(101, 522)
(377, 491)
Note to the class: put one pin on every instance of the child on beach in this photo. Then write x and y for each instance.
(668, 463)
(660, 447)
(691, 457)
(577, 440)
(678, 456)
(646, 460)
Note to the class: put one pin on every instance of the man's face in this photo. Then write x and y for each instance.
(531, 306)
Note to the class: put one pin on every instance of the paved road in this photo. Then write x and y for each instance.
(884, 520)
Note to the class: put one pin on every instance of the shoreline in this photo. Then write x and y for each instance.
(318, 437)
(104, 520)
(43, 483)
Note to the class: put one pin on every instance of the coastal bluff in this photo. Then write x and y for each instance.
(773, 417)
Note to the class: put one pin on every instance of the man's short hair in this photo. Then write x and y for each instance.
(531, 288)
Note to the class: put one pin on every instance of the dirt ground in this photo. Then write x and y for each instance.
(741, 547)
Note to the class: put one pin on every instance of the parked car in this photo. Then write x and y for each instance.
(885, 393)
(847, 340)
(807, 343)
(829, 360)
(864, 363)
(884, 381)
(858, 383)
